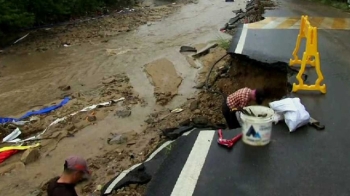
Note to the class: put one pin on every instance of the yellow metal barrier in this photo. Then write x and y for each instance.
(310, 57)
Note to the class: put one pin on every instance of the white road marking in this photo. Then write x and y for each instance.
(241, 42)
(273, 24)
(188, 132)
(327, 22)
(296, 25)
(159, 149)
(187, 180)
(119, 178)
(125, 172)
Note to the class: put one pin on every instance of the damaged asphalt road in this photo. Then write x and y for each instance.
(306, 162)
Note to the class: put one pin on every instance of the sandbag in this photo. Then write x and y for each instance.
(294, 112)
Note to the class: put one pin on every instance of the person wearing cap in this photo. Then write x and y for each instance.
(238, 100)
(75, 169)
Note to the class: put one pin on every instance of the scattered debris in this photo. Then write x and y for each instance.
(205, 50)
(13, 135)
(200, 121)
(20, 39)
(64, 88)
(149, 120)
(123, 113)
(197, 111)
(6, 154)
(108, 81)
(98, 188)
(30, 155)
(194, 105)
(117, 51)
(91, 117)
(44, 110)
(117, 139)
(131, 143)
(177, 110)
(253, 13)
(34, 119)
(187, 49)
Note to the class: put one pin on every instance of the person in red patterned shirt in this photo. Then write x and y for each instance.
(236, 101)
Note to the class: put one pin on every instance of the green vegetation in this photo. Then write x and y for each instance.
(19, 14)
(168, 149)
(340, 4)
(223, 43)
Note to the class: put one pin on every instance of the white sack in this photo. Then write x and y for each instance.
(278, 116)
(294, 112)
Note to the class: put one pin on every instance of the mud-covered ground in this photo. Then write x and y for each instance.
(133, 55)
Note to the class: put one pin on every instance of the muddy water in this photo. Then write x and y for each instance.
(29, 80)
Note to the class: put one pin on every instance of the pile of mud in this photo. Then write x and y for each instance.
(164, 78)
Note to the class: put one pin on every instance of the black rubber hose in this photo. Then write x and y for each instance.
(207, 79)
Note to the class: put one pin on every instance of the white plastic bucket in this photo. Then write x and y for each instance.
(257, 130)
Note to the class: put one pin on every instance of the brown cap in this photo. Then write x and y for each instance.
(77, 163)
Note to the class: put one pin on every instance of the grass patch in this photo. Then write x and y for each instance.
(339, 5)
(223, 43)
(168, 149)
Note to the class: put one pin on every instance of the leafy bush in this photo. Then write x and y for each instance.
(18, 14)
(13, 16)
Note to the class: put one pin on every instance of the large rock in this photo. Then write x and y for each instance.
(64, 88)
(118, 139)
(30, 155)
(122, 113)
(194, 105)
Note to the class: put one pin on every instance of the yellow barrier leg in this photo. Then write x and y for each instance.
(299, 86)
(317, 86)
(296, 59)
(320, 75)
(301, 35)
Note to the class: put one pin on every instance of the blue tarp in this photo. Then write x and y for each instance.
(38, 112)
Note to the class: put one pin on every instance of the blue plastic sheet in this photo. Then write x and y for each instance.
(38, 112)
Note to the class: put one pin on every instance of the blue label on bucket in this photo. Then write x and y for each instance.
(252, 132)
